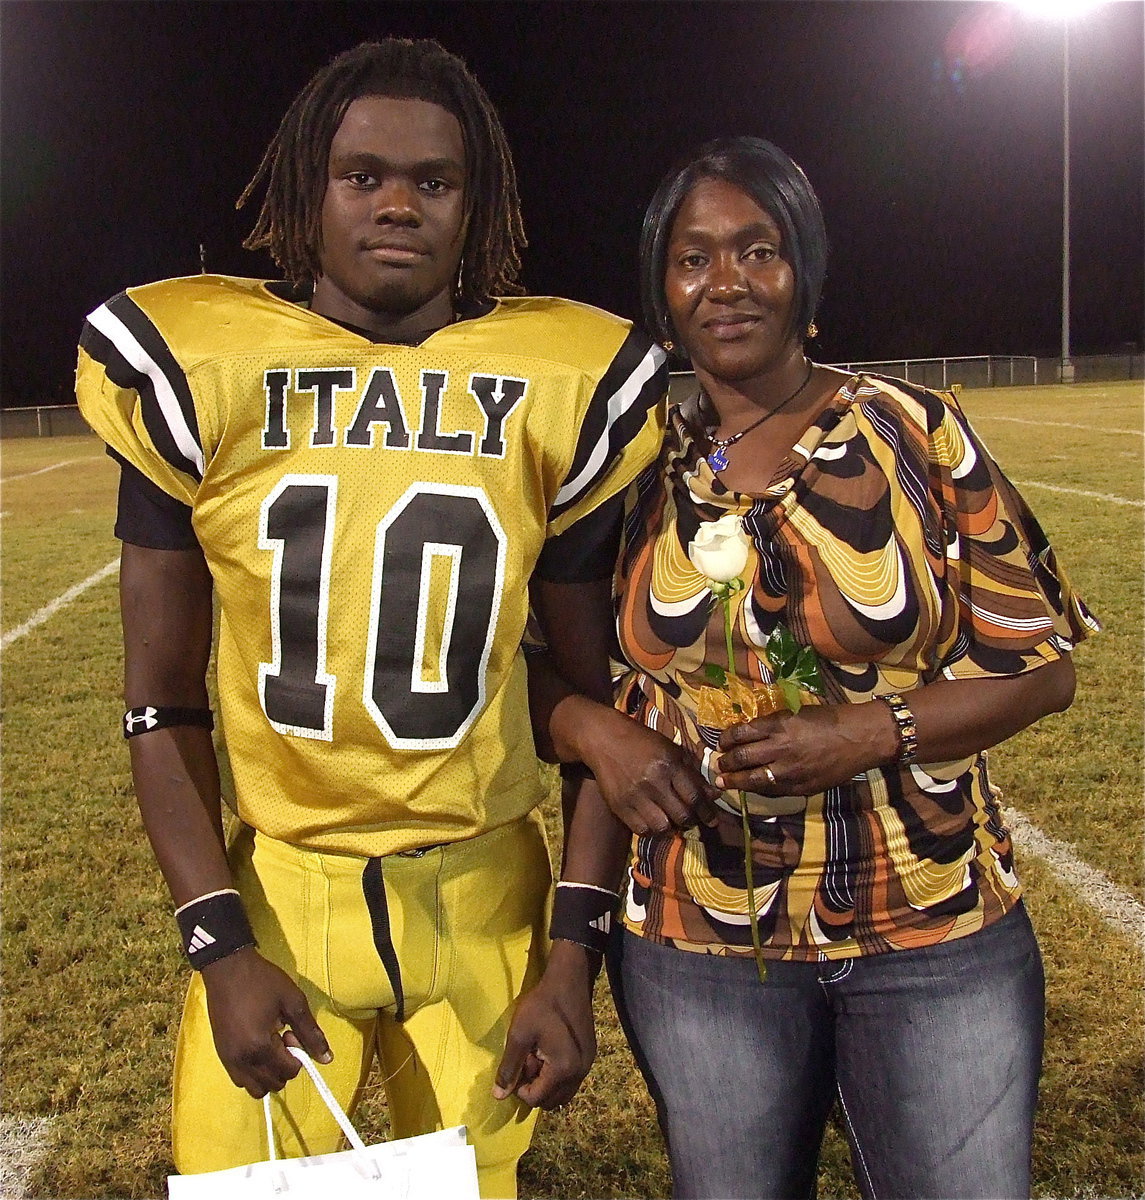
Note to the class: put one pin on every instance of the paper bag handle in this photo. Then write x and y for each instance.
(327, 1097)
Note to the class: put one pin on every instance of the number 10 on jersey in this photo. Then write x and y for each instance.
(434, 532)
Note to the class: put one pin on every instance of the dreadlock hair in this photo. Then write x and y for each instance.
(294, 166)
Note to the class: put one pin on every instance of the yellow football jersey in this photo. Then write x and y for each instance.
(371, 515)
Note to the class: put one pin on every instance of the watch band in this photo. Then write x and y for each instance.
(907, 727)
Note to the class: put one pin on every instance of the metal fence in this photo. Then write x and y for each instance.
(970, 371)
(48, 421)
(973, 371)
(978, 371)
(1095, 368)
(981, 371)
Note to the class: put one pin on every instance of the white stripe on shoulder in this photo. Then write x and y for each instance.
(618, 404)
(125, 342)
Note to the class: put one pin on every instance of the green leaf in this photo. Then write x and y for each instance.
(806, 672)
(792, 664)
(791, 695)
(781, 649)
(715, 675)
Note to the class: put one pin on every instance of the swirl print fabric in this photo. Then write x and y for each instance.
(891, 542)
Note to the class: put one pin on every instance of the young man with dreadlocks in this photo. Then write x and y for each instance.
(368, 465)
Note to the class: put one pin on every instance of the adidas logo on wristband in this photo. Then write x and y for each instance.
(200, 940)
(213, 926)
(582, 913)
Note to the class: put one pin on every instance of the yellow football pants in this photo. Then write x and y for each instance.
(466, 927)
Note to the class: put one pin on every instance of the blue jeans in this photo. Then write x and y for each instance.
(934, 1054)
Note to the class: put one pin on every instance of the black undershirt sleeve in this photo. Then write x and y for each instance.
(586, 551)
(147, 515)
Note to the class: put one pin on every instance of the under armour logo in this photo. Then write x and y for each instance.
(139, 720)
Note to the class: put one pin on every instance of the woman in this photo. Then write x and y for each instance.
(901, 970)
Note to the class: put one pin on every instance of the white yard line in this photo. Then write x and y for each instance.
(1053, 487)
(1112, 903)
(23, 1141)
(979, 417)
(61, 601)
(54, 467)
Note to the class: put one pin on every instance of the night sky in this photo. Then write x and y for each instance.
(932, 131)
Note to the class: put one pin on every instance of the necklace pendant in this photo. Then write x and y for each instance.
(718, 460)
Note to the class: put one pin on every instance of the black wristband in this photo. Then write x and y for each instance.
(582, 913)
(147, 717)
(213, 926)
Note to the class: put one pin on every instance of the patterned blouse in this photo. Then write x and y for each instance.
(891, 542)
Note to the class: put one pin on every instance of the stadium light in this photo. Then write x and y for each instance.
(1057, 10)
(1064, 11)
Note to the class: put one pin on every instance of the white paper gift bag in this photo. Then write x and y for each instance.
(433, 1166)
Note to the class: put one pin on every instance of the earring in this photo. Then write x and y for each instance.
(812, 330)
(669, 346)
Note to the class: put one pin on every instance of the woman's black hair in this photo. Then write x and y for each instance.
(294, 166)
(776, 183)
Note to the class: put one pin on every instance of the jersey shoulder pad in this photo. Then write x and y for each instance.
(132, 379)
(565, 331)
(201, 317)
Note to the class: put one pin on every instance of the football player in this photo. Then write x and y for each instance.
(366, 467)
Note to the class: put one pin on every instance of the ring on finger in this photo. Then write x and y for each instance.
(770, 776)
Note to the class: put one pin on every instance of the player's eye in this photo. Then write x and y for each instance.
(360, 179)
(435, 187)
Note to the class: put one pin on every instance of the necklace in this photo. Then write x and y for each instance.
(716, 457)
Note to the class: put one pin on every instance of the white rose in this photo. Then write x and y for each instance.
(719, 549)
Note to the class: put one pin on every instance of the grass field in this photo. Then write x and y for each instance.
(92, 974)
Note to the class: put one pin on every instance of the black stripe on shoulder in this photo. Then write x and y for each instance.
(158, 369)
(593, 427)
(603, 426)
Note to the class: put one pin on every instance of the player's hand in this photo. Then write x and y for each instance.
(256, 1011)
(551, 1041)
(650, 783)
(807, 752)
